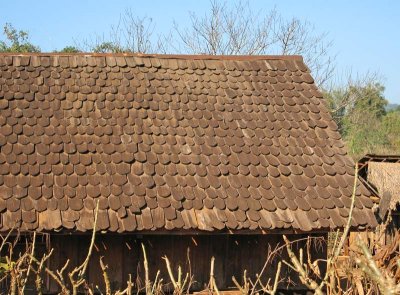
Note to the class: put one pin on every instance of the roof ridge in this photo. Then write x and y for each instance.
(167, 56)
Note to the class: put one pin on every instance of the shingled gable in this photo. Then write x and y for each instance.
(210, 143)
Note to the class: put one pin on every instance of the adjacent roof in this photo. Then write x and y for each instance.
(380, 158)
(170, 143)
(382, 173)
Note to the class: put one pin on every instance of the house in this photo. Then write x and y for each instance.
(381, 174)
(220, 155)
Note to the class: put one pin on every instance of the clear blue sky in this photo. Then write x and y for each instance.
(366, 34)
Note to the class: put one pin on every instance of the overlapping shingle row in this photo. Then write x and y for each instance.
(170, 142)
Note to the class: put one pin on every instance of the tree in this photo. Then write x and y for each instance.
(391, 126)
(16, 41)
(107, 47)
(224, 30)
(70, 49)
(342, 97)
(237, 29)
(359, 110)
(131, 34)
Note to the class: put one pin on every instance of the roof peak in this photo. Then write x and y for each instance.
(167, 56)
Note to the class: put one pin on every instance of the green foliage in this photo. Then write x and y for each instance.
(348, 103)
(335, 99)
(359, 111)
(5, 266)
(70, 49)
(392, 107)
(365, 136)
(371, 99)
(108, 47)
(16, 41)
(362, 121)
(391, 126)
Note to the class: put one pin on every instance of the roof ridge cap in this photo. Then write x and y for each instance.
(166, 56)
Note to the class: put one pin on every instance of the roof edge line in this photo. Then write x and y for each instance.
(176, 56)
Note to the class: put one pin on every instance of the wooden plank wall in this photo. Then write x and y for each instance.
(233, 254)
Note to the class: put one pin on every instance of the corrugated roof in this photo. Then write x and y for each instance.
(170, 143)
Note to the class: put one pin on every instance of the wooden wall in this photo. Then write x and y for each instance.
(233, 254)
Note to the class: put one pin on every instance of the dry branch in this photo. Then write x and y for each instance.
(79, 271)
(105, 276)
(212, 284)
(146, 272)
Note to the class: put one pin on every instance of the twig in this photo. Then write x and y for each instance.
(242, 290)
(61, 271)
(38, 280)
(348, 224)
(297, 265)
(171, 275)
(82, 268)
(64, 289)
(275, 286)
(190, 271)
(368, 265)
(212, 284)
(4, 239)
(29, 264)
(105, 276)
(146, 272)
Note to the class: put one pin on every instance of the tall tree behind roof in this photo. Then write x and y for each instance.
(359, 110)
(226, 29)
(16, 41)
(238, 29)
(131, 34)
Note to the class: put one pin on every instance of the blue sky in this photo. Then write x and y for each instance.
(366, 34)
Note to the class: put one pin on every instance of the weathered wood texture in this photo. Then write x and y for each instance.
(170, 143)
(233, 254)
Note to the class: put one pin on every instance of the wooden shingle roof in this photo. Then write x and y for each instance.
(170, 143)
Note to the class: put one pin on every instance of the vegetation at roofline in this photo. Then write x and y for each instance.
(69, 49)
(359, 109)
(16, 40)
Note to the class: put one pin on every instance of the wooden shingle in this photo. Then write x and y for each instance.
(170, 142)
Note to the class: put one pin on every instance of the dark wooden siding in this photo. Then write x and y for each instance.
(233, 254)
